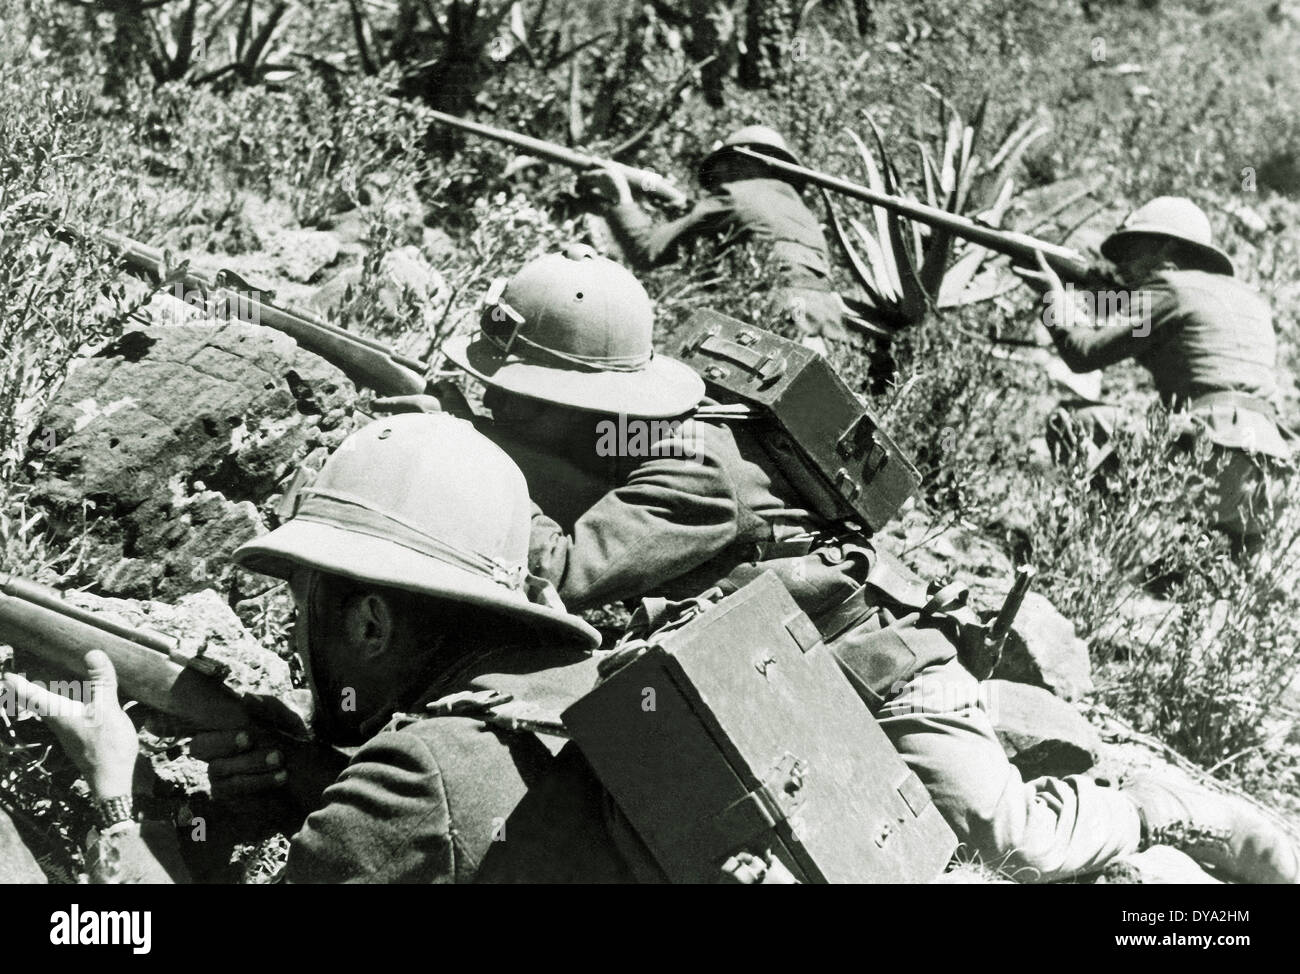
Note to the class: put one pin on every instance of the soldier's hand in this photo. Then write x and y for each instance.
(407, 404)
(255, 763)
(607, 184)
(96, 732)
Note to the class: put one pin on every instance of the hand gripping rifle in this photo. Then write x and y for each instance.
(151, 667)
(647, 182)
(1022, 248)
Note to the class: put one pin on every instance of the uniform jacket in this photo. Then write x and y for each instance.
(1197, 334)
(451, 799)
(667, 523)
(767, 209)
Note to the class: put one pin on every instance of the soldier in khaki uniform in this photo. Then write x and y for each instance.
(744, 198)
(407, 562)
(565, 351)
(1206, 339)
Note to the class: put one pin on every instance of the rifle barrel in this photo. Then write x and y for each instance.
(377, 366)
(55, 601)
(645, 180)
(1066, 261)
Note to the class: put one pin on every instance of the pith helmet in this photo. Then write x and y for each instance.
(426, 504)
(1175, 218)
(575, 328)
(760, 138)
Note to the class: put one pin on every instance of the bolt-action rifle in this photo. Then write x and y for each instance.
(647, 182)
(1072, 265)
(152, 668)
(363, 360)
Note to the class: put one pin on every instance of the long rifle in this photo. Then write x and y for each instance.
(151, 667)
(365, 361)
(1020, 247)
(648, 182)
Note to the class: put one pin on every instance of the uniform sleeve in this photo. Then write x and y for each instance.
(386, 820)
(674, 514)
(1135, 328)
(646, 245)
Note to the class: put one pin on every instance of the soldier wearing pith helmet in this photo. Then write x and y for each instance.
(418, 621)
(744, 197)
(1208, 341)
(703, 507)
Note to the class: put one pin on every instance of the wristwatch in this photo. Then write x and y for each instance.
(113, 811)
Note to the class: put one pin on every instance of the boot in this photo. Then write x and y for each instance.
(1223, 834)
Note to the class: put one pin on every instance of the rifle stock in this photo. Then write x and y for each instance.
(1069, 263)
(363, 360)
(150, 667)
(648, 182)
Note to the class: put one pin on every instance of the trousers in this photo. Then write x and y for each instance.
(941, 721)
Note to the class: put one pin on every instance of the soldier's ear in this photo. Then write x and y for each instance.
(369, 621)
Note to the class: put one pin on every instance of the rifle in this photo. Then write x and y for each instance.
(151, 667)
(1020, 247)
(365, 361)
(649, 183)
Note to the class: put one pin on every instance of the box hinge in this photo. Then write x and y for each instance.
(860, 440)
(776, 800)
(802, 631)
(914, 794)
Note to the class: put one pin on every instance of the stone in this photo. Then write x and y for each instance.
(299, 255)
(1041, 734)
(205, 626)
(403, 273)
(166, 441)
(1043, 649)
(438, 246)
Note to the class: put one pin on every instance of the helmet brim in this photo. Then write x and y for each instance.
(1208, 257)
(300, 543)
(664, 388)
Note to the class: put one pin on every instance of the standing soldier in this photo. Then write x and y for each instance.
(681, 503)
(1208, 342)
(744, 197)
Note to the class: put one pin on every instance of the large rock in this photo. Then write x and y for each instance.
(1041, 734)
(1044, 650)
(172, 437)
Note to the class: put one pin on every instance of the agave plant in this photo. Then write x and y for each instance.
(904, 268)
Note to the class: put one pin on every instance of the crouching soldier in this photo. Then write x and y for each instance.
(1206, 339)
(642, 494)
(743, 198)
(407, 563)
